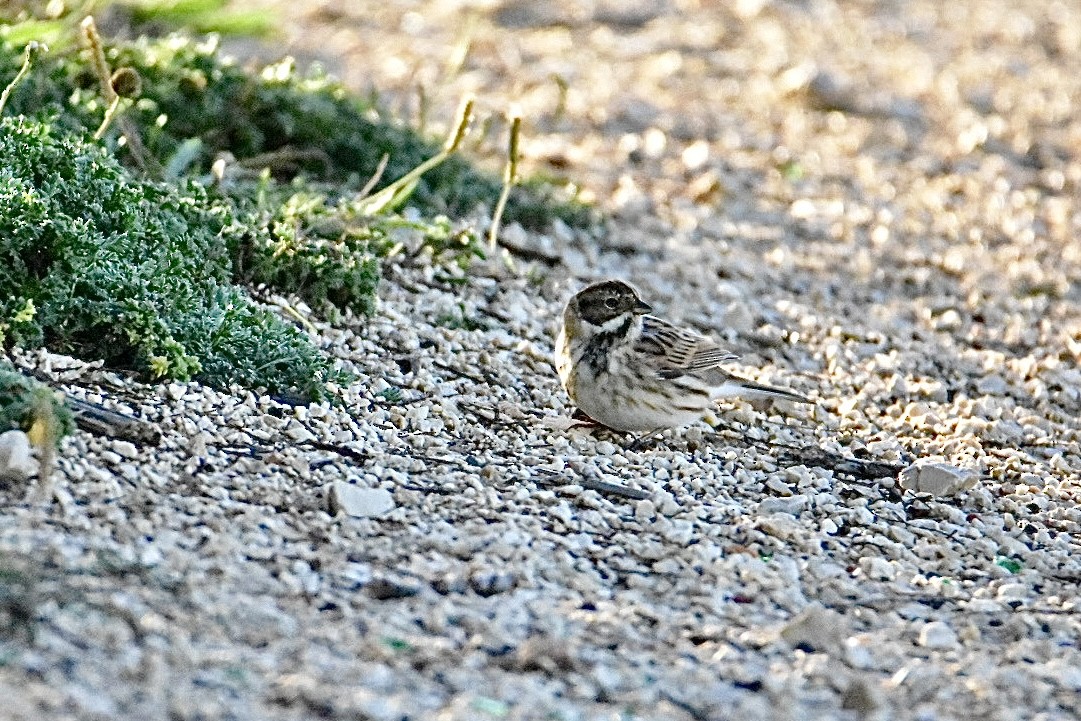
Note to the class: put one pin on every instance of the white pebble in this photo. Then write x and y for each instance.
(937, 635)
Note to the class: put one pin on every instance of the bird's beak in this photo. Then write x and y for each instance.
(642, 307)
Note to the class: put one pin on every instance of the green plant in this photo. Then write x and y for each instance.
(103, 262)
(324, 249)
(131, 271)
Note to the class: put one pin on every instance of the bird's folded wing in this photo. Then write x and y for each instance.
(676, 351)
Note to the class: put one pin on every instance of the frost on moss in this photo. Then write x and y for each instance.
(102, 265)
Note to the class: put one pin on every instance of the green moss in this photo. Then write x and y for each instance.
(202, 16)
(35, 20)
(131, 271)
(324, 249)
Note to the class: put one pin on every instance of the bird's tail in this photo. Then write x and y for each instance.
(744, 388)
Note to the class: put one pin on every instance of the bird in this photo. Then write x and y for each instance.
(632, 371)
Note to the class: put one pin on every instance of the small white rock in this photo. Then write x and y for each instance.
(793, 505)
(666, 503)
(781, 525)
(126, 449)
(645, 511)
(817, 628)
(937, 479)
(299, 433)
(877, 568)
(857, 652)
(937, 635)
(16, 463)
(358, 502)
(778, 486)
(1012, 592)
(993, 385)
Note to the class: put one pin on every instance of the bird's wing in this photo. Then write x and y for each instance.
(677, 351)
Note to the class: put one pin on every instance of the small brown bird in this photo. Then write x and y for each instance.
(632, 371)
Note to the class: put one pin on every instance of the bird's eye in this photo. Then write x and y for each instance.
(611, 303)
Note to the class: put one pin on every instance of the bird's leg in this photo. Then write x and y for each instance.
(584, 421)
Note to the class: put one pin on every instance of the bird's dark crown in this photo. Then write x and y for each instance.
(601, 302)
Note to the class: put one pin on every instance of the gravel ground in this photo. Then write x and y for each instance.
(873, 203)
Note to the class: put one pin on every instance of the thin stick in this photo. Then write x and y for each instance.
(561, 102)
(97, 57)
(510, 177)
(389, 194)
(32, 48)
(110, 113)
(422, 109)
(144, 160)
(376, 177)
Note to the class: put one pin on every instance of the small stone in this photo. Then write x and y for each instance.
(1012, 592)
(815, 629)
(857, 653)
(992, 385)
(449, 583)
(861, 698)
(778, 486)
(16, 462)
(666, 503)
(937, 635)
(937, 479)
(782, 526)
(298, 433)
(383, 588)
(606, 448)
(695, 155)
(645, 511)
(553, 656)
(793, 505)
(877, 569)
(489, 583)
(126, 449)
(358, 502)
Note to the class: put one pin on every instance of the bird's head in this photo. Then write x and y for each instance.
(602, 303)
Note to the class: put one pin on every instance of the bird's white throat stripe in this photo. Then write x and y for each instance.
(616, 324)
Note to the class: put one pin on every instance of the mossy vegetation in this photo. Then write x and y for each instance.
(134, 240)
(106, 265)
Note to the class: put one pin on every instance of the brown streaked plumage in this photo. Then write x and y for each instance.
(635, 372)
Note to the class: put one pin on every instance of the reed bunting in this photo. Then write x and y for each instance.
(632, 371)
